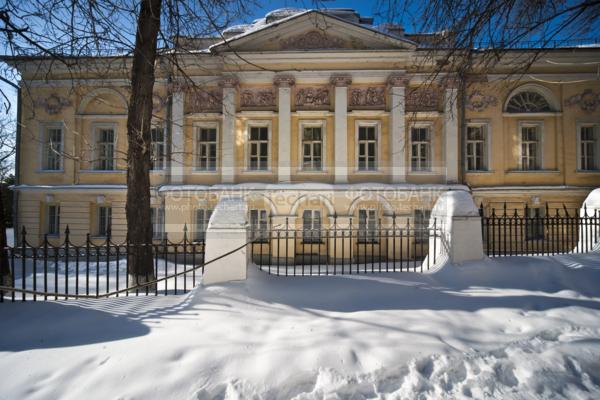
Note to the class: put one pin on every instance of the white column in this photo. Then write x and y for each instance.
(228, 141)
(177, 142)
(285, 126)
(397, 84)
(341, 84)
(451, 134)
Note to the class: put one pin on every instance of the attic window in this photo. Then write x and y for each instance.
(528, 102)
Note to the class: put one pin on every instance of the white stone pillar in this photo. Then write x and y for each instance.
(452, 148)
(285, 84)
(177, 140)
(589, 232)
(341, 83)
(229, 85)
(397, 86)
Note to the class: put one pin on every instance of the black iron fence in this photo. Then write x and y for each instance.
(394, 246)
(92, 270)
(538, 231)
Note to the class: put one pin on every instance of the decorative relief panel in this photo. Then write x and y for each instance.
(310, 41)
(477, 101)
(422, 99)
(53, 104)
(206, 101)
(257, 98)
(587, 100)
(371, 97)
(312, 97)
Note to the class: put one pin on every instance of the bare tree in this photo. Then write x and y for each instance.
(7, 151)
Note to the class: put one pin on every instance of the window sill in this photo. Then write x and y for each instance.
(368, 171)
(102, 171)
(483, 171)
(588, 171)
(158, 171)
(533, 171)
(204, 172)
(423, 173)
(311, 171)
(257, 171)
(50, 171)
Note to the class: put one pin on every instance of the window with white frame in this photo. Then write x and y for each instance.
(421, 225)
(53, 147)
(312, 148)
(202, 219)
(311, 226)
(158, 222)
(420, 148)
(476, 147)
(159, 153)
(104, 221)
(367, 147)
(53, 220)
(589, 147)
(206, 148)
(105, 148)
(531, 147)
(258, 148)
(367, 226)
(258, 224)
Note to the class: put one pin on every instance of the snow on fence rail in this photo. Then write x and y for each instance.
(68, 270)
(539, 231)
(370, 246)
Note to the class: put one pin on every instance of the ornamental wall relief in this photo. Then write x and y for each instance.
(477, 101)
(369, 97)
(422, 99)
(257, 98)
(53, 104)
(210, 100)
(587, 100)
(310, 41)
(311, 97)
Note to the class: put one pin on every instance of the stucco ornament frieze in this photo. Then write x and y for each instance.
(340, 80)
(587, 100)
(310, 41)
(206, 101)
(257, 98)
(312, 97)
(422, 99)
(53, 104)
(398, 80)
(368, 97)
(478, 101)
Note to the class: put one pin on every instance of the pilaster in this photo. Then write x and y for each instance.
(229, 85)
(285, 84)
(341, 83)
(397, 88)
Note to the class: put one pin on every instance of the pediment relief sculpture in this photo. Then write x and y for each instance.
(587, 100)
(426, 99)
(53, 104)
(210, 100)
(312, 40)
(370, 97)
(312, 97)
(257, 98)
(478, 101)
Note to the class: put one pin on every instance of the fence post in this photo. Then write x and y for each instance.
(458, 222)
(589, 229)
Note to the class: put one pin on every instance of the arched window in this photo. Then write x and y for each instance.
(528, 102)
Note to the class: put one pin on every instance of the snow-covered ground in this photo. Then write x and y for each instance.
(513, 328)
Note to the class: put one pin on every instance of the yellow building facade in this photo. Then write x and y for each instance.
(308, 116)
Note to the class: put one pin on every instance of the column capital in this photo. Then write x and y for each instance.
(398, 80)
(229, 81)
(340, 80)
(451, 81)
(284, 81)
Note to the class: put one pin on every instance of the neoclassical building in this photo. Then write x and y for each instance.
(307, 115)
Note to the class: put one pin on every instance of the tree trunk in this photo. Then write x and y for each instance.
(5, 276)
(139, 117)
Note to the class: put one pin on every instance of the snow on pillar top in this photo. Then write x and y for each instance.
(455, 203)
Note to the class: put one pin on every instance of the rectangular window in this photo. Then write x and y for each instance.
(158, 222)
(53, 148)
(53, 220)
(531, 147)
(258, 147)
(206, 149)
(202, 219)
(421, 225)
(367, 148)
(311, 226)
(258, 224)
(104, 221)
(105, 149)
(420, 156)
(367, 226)
(589, 151)
(534, 228)
(159, 154)
(312, 148)
(476, 151)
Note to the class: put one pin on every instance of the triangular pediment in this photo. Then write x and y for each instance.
(312, 31)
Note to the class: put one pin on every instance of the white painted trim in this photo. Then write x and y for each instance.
(43, 127)
(526, 123)
(312, 113)
(208, 115)
(98, 125)
(257, 123)
(578, 125)
(532, 115)
(99, 92)
(368, 113)
(368, 123)
(421, 124)
(488, 144)
(537, 88)
(322, 123)
(196, 127)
